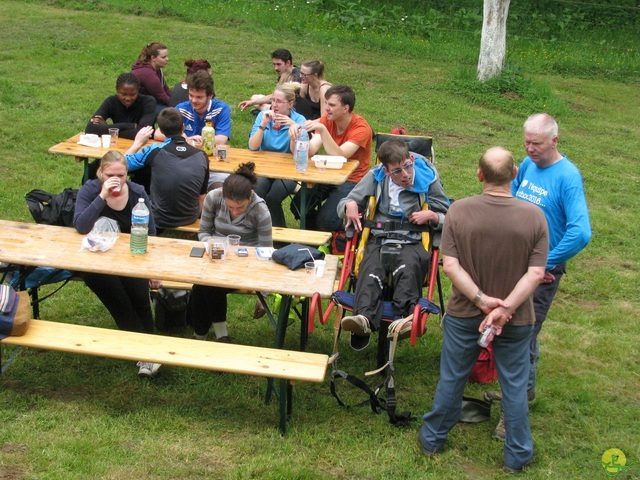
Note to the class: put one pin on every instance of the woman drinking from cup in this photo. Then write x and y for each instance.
(233, 209)
(112, 196)
(152, 59)
(271, 132)
(128, 110)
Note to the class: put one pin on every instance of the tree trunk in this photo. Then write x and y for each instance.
(493, 46)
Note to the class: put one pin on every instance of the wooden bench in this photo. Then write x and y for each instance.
(284, 365)
(280, 234)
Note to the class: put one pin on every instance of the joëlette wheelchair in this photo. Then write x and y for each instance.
(390, 327)
(343, 298)
(382, 396)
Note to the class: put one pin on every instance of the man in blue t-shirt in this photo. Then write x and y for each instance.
(549, 180)
(202, 107)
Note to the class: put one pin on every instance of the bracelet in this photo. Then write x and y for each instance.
(262, 128)
(478, 296)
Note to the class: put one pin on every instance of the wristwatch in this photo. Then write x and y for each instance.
(261, 127)
(478, 296)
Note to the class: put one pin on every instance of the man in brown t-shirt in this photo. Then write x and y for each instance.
(494, 251)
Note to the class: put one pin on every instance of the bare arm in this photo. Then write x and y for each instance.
(142, 137)
(347, 149)
(255, 101)
(523, 290)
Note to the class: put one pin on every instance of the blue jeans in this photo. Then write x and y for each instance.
(542, 298)
(459, 353)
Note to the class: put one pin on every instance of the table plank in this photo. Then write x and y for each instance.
(274, 165)
(182, 352)
(167, 259)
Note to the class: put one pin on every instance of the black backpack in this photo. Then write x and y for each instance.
(52, 208)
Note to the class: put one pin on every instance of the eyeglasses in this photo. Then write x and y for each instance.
(305, 75)
(398, 171)
(277, 101)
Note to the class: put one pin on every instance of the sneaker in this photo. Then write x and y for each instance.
(495, 396)
(403, 333)
(148, 369)
(199, 337)
(500, 433)
(360, 329)
(225, 339)
(358, 324)
(430, 453)
(531, 395)
(508, 469)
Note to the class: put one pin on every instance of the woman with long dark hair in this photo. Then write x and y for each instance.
(152, 59)
(233, 209)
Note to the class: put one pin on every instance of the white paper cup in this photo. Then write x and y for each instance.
(106, 141)
(320, 268)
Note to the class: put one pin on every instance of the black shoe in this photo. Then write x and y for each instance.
(430, 453)
(507, 469)
(225, 339)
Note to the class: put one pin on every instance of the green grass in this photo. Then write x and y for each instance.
(74, 417)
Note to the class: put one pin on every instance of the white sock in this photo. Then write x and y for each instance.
(220, 329)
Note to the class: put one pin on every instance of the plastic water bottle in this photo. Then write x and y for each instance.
(208, 138)
(139, 227)
(301, 154)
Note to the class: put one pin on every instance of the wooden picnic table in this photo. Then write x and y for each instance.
(273, 165)
(31, 244)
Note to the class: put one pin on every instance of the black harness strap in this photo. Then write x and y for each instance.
(377, 403)
(389, 226)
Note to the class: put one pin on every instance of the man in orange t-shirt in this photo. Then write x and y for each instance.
(340, 132)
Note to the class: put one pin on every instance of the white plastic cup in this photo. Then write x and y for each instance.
(106, 141)
(233, 241)
(320, 264)
(309, 269)
(114, 135)
(222, 152)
